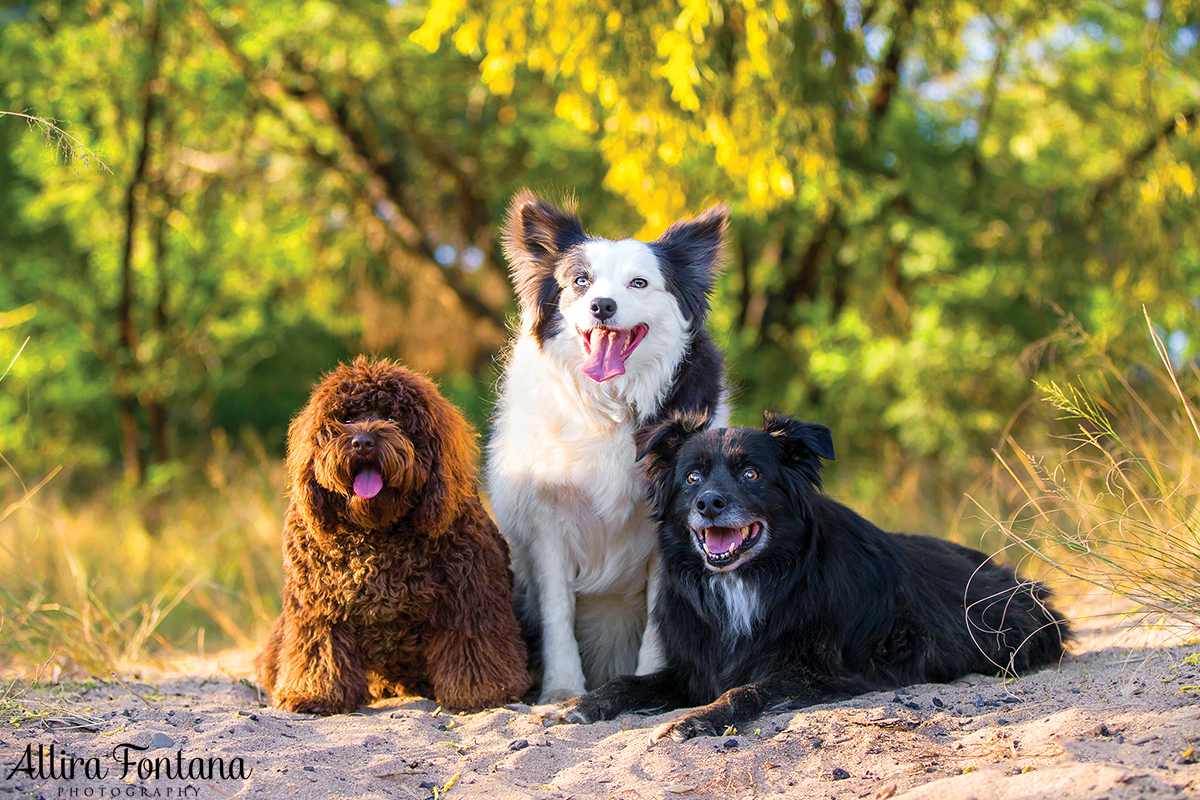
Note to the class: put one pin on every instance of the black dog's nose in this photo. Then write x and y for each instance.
(603, 308)
(710, 504)
(363, 444)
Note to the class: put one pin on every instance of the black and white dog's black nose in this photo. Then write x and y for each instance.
(710, 504)
(603, 308)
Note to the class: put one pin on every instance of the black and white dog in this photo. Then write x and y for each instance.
(612, 339)
(775, 596)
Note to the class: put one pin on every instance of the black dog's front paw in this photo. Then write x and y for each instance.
(577, 711)
(688, 726)
(608, 702)
(582, 710)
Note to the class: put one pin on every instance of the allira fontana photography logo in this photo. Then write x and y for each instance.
(126, 762)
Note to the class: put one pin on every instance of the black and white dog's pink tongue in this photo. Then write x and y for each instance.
(367, 484)
(721, 540)
(604, 360)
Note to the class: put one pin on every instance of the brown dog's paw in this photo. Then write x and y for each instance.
(299, 704)
(471, 699)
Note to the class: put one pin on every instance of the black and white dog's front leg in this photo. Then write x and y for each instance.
(562, 668)
(743, 704)
(657, 691)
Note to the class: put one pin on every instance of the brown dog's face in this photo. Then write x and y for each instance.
(376, 442)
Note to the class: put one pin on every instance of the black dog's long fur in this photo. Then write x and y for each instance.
(842, 607)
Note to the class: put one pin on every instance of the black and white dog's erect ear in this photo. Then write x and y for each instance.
(657, 447)
(802, 445)
(536, 233)
(689, 253)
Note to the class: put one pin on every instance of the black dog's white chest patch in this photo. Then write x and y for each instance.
(736, 601)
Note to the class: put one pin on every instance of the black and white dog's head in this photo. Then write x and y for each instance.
(605, 308)
(721, 494)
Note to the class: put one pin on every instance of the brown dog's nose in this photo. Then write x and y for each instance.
(363, 444)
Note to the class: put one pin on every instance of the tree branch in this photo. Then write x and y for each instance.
(1166, 131)
(373, 186)
(889, 71)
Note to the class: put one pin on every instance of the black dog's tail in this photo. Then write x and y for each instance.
(1011, 620)
(980, 616)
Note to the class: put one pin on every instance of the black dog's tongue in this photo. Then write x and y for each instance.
(367, 484)
(722, 540)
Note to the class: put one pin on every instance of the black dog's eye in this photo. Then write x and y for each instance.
(582, 280)
(694, 476)
(750, 474)
(638, 283)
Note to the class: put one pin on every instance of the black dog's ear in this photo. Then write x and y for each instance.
(802, 444)
(657, 447)
(690, 252)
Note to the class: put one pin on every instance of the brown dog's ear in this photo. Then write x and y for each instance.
(310, 498)
(657, 447)
(443, 436)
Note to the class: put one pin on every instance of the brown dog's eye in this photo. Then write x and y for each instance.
(750, 474)
(694, 476)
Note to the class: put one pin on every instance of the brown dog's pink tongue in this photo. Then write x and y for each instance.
(604, 360)
(367, 484)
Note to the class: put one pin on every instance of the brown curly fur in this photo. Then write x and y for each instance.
(408, 592)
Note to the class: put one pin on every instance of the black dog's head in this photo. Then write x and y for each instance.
(724, 489)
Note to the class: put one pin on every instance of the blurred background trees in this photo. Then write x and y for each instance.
(922, 192)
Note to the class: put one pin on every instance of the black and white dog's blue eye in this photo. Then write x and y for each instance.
(750, 474)
(582, 280)
(694, 476)
(638, 283)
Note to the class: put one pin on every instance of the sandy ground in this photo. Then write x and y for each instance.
(1119, 718)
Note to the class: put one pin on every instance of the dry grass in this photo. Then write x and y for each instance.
(67, 147)
(1113, 503)
(122, 577)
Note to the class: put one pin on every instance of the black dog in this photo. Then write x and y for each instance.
(775, 596)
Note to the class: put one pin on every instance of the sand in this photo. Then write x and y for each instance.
(1118, 718)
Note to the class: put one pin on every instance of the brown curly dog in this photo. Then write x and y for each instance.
(396, 581)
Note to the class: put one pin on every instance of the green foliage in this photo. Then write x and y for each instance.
(913, 182)
(281, 176)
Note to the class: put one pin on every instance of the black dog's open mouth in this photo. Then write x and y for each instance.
(722, 546)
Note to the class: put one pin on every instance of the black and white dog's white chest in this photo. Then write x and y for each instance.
(612, 337)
